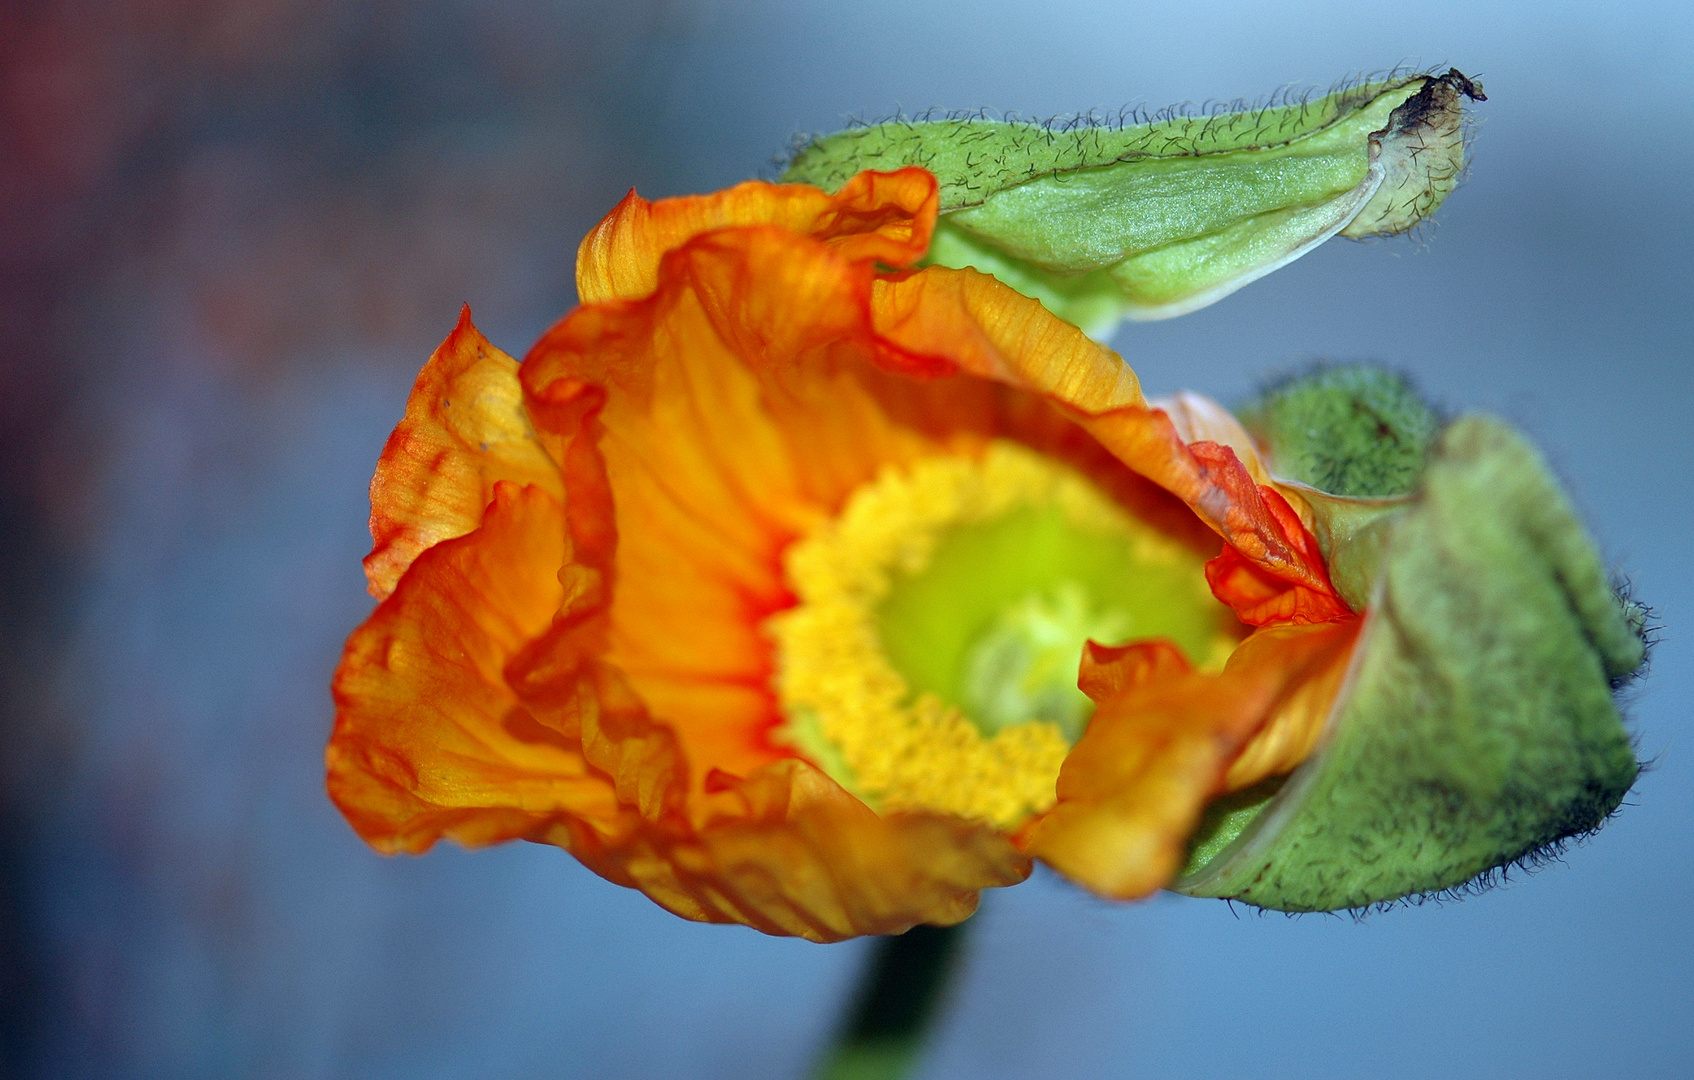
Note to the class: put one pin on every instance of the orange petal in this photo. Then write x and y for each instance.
(430, 740)
(1159, 747)
(942, 319)
(564, 682)
(786, 850)
(875, 217)
(1110, 670)
(961, 317)
(1197, 418)
(465, 429)
(1295, 725)
(1258, 590)
(703, 429)
(792, 853)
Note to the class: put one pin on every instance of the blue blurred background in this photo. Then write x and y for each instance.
(233, 231)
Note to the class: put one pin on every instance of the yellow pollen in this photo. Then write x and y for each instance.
(853, 713)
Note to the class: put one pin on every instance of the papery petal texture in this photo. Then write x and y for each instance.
(582, 552)
(1163, 742)
(430, 739)
(465, 430)
(875, 217)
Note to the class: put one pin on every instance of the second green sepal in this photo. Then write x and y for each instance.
(1102, 222)
(1477, 724)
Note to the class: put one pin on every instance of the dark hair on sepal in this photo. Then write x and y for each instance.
(1126, 116)
(1579, 826)
(1574, 832)
(1643, 619)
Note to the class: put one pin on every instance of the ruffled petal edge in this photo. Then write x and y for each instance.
(465, 430)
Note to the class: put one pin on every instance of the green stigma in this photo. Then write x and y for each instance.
(1024, 667)
(996, 622)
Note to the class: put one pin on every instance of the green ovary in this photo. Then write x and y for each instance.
(1023, 667)
(996, 622)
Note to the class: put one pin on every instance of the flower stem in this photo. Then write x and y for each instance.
(897, 997)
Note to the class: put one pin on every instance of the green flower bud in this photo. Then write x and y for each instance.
(1477, 725)
(1352, 429)
(1103, 221)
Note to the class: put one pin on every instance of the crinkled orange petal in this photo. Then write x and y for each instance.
(940, 319)
(711, 424)
(961, 317)
(564, 681)
(874, 217)
(1291, 732)
(1160, 746)
(600, 680)
(785, 850)
(1260, 595)
(1197, 418)
(465, 429)
(430, 740)
(792, 853)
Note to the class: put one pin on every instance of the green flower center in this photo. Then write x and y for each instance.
(1024, 667)
(996, 621)
(932, 661)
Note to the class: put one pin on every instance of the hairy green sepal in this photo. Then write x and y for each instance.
(1152, 220)
(1350, 429)
(1477, 725)
(1353, 440)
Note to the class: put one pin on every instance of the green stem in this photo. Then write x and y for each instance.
(897, 998)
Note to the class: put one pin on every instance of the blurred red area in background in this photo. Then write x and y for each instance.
(203, 193)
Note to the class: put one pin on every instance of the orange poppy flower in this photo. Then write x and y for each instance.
(763, 583)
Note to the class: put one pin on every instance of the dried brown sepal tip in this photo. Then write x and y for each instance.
(1421, 152)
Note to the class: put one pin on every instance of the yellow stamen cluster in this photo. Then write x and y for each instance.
(849, 709)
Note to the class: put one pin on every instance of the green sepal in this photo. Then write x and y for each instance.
(1347, 429)
(1353, 535)
(1352, 440)
(1477, 724)
(1151, 220)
